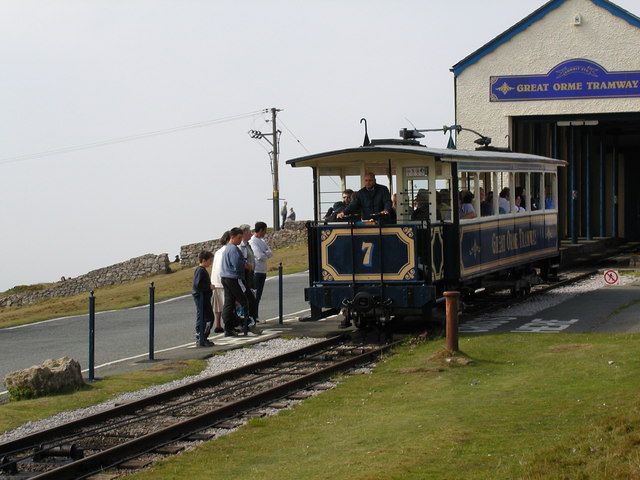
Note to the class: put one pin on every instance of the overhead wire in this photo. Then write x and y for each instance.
(128, 138)
(293, 135)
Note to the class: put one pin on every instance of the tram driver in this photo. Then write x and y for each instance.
(371, 200)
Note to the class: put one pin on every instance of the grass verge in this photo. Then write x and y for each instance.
(528, 406)
(133, 294)
(14, 414)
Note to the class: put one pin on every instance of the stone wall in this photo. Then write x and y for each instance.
(293, 233)
(133, 269)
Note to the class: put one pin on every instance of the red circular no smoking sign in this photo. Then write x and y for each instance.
(611, 277)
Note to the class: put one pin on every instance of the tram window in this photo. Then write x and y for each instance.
(330, 187)
(443, 199)
(550, 191)
(503, 185)
(536, 187)
(417, 195)
(520, 192)
(486, 194)
(467, 183)
(352, 182)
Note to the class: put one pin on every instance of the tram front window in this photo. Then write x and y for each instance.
(416, 194)
(336, 187)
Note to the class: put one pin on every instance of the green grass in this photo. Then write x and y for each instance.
(528, 406)
(14, 414)
(133, 294)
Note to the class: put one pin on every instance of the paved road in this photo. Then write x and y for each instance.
(603, 310)
(124, 333)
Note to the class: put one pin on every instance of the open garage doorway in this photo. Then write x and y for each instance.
(599, 194)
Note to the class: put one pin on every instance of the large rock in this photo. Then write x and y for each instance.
(53, 376)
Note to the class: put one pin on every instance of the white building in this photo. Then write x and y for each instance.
(565, 82)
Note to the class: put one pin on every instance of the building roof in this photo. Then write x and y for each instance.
(526, 22)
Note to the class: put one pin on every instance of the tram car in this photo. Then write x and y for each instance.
(461, 219)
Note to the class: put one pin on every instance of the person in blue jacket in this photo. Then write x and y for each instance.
(232, 273)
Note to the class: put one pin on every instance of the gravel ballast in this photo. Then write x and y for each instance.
(216, 365)
(538, 303)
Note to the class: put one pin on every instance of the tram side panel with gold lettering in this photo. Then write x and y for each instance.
(504, 243)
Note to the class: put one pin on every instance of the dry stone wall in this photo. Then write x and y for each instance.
(293, 233)
(133, 269)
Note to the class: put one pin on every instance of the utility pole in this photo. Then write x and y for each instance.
(274, 141)
(276, 187)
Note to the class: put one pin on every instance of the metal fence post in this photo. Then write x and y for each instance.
(280, 293)
(152, 313)
(452, 300)
(92, 334)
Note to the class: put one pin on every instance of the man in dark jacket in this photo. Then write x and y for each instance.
(370, 200)
(339, 206)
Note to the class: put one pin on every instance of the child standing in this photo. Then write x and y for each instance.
(202, 297)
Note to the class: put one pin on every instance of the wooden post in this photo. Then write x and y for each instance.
(452, 300)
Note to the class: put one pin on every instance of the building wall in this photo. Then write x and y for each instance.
(601, 37)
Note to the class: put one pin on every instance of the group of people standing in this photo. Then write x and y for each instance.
(287, 215)
(228, 299)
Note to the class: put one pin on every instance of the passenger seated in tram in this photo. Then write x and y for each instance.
(421, 205)
(535, 202)
(548, 200)
(466, 205)
(517, 207)
(520, 193)
(338, 207)
(486, 203)
(503, 202)
(443, 210)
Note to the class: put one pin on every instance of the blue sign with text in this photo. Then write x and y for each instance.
(577, 78)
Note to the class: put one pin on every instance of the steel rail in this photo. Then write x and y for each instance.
(120, 453)
(35, 439)
(266, 377)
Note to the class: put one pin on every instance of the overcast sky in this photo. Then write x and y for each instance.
(82, 72)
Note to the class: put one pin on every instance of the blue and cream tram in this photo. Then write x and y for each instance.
(464, 219)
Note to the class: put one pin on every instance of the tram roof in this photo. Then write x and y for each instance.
(380, 152)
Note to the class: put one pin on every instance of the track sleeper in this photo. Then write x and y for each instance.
(104, 476)
(196, 437)
(169, 449)
(136, 463)
(229, 424)
(300, 395)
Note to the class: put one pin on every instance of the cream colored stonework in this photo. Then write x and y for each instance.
(601, 37)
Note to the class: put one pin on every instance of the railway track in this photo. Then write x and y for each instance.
(578, 271)
(133, 435)
(484, 304)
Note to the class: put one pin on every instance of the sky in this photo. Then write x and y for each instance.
(93, 72)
